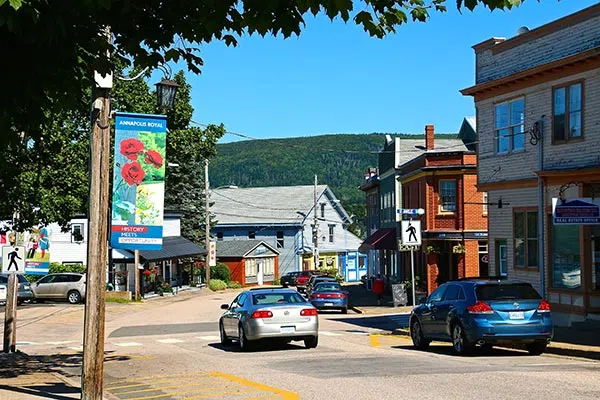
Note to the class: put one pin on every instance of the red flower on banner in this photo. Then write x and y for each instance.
(133, 173)
(154, 158)
(131, 148)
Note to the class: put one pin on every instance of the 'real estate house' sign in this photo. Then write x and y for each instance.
(138, 181)
(576, 211)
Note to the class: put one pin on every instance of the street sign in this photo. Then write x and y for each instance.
(411, 233)
(13, 259)
(405, 247)
(411, 211)
(212, 253)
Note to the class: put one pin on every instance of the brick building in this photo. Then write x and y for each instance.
(442, 180)
(537, 97)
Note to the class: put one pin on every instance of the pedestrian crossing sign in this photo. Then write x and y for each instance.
(13, 259)
(411, 232)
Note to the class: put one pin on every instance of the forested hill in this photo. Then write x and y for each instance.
(338, 161)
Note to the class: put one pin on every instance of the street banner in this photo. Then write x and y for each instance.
(212, 253)
(138, 181)
(37, 248)
(576, 211)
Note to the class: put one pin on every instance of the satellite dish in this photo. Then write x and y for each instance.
(522, 30)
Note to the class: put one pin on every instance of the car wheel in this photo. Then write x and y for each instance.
(311, 342)
(74, 297)
(225, 341)
(242, 340)
(417, 336)
(460, 343)
(536, 348)
(344, 310)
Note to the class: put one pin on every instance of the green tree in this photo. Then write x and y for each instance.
(51, 48)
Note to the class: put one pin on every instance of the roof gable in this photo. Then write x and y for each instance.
(244, 248)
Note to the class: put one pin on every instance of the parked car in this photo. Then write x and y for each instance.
(303, 278)
(289, 279)
(269, 313)
(24, 293)
(485, 313)
(317, 279)
(61, 286)
(329, 296)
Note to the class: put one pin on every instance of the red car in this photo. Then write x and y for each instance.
(303, 278)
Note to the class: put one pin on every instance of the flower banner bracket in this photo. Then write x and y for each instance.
(138, 181)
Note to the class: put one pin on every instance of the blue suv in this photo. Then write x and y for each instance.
(483, 312)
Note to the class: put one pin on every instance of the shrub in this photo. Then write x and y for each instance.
(219, 271)
(233, 285)
(217, 284)
(276, 282)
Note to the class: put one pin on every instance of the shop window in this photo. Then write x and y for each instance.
(251, 269)
(280, 243)
(525, 242)
(566, 258)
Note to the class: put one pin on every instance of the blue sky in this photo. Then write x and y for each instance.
(335, 78)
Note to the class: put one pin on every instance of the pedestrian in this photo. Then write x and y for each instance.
(378, 288)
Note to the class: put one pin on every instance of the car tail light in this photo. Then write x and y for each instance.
(544, 306)
(316, 296)
(262, 314)
(480, 308)
(309, 312)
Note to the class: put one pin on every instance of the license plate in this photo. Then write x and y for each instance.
(328, 304)
(516, 315)
(288, 329)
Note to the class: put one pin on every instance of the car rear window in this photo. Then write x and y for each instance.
(512, 291)
(277, 298)
(321, 287)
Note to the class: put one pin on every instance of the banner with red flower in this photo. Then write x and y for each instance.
(138, 181)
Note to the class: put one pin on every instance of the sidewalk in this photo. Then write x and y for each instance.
(25, 377)
(363, 301)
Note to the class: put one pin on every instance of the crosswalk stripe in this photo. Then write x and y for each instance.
(128, 344)
(208, 338)
(326, 333)
(170, 341)
(77, 348)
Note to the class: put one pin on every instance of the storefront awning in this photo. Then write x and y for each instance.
(383, 239)
(173, 247)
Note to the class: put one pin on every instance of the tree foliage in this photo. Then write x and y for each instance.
(51, 48)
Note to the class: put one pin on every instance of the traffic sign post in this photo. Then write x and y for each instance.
(411, 236)
(10, 315)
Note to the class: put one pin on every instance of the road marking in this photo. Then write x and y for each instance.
(76, 348)
(325, 333)
(208, 338)
(157, 381)
(59, 343)
(145, 378)
(285, 395)
(159, 388)
(374, 340)
(26, 344)
(128, 344)
(217, 394)
(170, 341)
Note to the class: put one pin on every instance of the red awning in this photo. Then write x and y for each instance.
(383, 239)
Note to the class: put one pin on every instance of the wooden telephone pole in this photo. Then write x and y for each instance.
(10, 314)
(93, 333)
(206, 222)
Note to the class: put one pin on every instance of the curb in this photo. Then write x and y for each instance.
(559, 348)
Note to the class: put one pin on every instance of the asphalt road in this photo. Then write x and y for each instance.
(169, 349)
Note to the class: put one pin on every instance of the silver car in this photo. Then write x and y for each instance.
(62, 286)
(269, 314)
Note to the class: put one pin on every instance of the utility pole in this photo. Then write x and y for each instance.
(10, 314)
(136, 277)
(97, 252)
(206, 222)
(315, 231)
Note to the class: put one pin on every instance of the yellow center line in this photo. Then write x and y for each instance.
(285, 395)
(199, 373)
(374, 338)
(158, 381)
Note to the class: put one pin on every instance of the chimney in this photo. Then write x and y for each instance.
(429, 137)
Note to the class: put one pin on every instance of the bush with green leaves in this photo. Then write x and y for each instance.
(220, 271)
(217, 284)
(234, 285)
(332, 272)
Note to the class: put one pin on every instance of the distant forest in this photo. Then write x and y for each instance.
(339, 161)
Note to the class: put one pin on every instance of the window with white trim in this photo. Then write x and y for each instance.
(447, 196)
(485, 203)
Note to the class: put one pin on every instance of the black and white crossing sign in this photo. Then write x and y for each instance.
(411, 233)
(13, 259)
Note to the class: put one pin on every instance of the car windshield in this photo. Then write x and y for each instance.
(277, 298)
(512, 291)
(322, 287)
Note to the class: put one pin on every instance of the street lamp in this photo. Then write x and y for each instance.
(165, 92)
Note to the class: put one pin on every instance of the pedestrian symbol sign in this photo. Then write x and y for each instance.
(13, 259)
(411, 233)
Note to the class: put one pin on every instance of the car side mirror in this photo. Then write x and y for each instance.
(224, 306)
